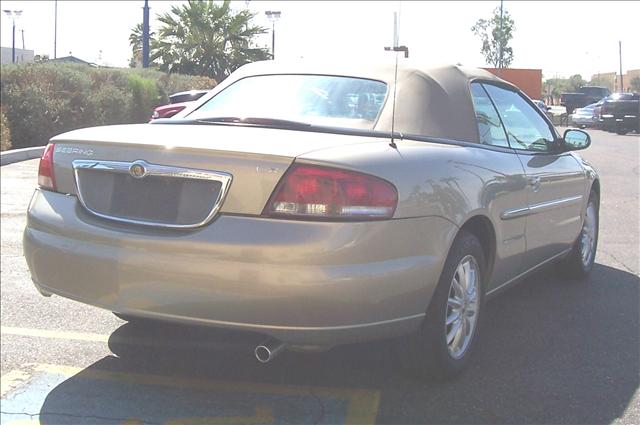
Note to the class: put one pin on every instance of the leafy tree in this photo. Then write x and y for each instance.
(206, 38)
(5, 133)
(634, 84)
(135, 41)
(575, 82)
(493, 38)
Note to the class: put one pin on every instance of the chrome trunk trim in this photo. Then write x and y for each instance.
(154, 170)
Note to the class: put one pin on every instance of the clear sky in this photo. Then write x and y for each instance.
(562, 38)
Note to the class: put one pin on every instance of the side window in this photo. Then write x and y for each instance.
(489, 125)
(527, 130)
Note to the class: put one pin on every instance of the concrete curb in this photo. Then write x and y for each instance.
(17, 155)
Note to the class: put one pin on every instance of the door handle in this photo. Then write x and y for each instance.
(534, 182)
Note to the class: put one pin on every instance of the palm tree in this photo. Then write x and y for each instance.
(135, 41)
(205, 38)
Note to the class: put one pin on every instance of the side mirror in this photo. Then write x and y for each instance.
(575, 140)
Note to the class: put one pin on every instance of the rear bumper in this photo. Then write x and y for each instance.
(582, 120)
(305, 283)
(610, 122)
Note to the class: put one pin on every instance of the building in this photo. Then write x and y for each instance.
(612, 80)
(22, 55)
(527, 80)
(73, 59)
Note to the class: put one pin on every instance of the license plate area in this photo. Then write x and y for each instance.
(164, 196)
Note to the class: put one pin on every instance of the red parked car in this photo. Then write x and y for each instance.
(177, 102)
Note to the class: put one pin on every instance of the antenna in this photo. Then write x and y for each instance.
(393, 110)
(395, 49)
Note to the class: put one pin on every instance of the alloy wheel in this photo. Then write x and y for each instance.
(462, 307)
(588, 235)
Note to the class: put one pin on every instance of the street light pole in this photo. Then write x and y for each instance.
(145, 34)
(13, 14)
(55, 30)
(621, 78)
(273, 16)
(500, 40)
(13, 43)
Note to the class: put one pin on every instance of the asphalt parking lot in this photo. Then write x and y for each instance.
(551, 351)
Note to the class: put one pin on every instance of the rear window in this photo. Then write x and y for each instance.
(314, 99)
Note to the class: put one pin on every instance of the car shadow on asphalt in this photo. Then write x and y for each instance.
(552, 351)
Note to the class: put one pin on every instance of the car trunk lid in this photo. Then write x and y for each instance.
(190, 171)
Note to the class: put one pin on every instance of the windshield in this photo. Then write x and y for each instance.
(314, 99)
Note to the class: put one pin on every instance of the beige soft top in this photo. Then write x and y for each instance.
(430, 101)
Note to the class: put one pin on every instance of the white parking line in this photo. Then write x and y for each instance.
(55, 334)
(93, 337)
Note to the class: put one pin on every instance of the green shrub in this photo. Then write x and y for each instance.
(145, 95)
(5, 133)
(44, 99)
(110, 105)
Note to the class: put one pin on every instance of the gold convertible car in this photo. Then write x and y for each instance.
(319, 205)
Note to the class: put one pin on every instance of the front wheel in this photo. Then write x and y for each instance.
(442, 347)
(578, 264)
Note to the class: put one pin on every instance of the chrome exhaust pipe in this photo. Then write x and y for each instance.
(268, 350)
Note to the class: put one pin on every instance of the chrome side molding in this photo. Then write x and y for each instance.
(543, 206)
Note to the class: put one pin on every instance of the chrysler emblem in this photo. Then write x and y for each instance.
(137, 170)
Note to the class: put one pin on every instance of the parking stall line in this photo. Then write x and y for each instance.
(94, 337)
(361, 404)
(54, 334)
(362, 408)
(263, 415)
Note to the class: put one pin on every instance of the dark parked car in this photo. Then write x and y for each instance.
(584, 96)
(620, 112)
(177, 102)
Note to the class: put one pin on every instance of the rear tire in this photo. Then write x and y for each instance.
(442, 347)
(579, 263)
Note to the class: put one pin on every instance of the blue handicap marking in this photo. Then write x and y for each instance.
(51, 394)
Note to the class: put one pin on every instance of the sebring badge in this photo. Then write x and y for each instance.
(137, 170)
(74, 150)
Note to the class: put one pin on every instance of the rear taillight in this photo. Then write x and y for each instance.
(46, 178)
(309, 191)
